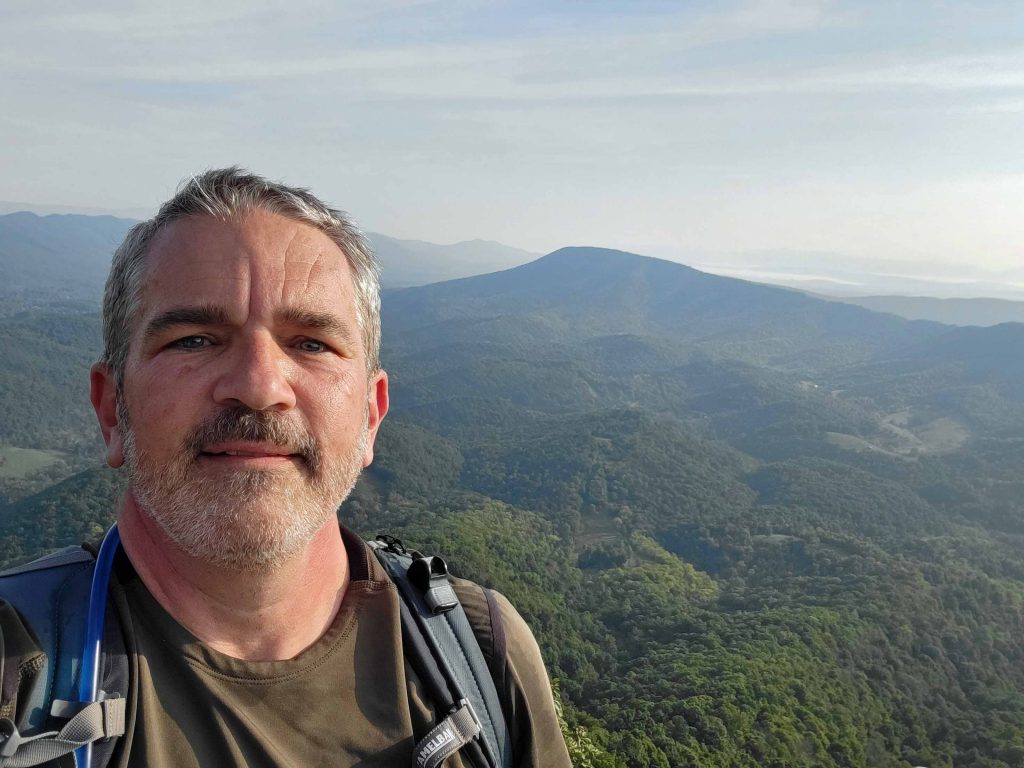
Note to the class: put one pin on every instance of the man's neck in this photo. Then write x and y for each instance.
(256, 615)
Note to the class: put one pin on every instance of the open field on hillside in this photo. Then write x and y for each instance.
(18, 462)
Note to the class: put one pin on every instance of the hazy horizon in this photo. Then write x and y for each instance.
(833, 279)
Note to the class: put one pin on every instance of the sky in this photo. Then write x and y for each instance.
(756, 134)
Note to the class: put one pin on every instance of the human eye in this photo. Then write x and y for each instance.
(311, 345)
(190, 343)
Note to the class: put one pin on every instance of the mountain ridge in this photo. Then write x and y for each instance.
(951, 311)
(582, 292)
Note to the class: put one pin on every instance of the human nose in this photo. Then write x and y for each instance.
(257, 375)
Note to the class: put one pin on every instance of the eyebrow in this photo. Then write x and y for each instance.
(206, 314)
(330, 324)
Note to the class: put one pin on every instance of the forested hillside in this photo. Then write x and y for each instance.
(749, 527)
(57, 259)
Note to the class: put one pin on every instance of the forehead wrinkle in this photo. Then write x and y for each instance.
(309, 273)
(311, 247)
(314, 263)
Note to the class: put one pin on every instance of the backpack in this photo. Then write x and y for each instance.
(52, 594)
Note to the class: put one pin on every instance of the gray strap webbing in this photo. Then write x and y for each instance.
(462, 661)
(454, 635)
(447, 738)
(95, 721)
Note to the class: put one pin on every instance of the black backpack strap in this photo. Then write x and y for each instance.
(52, 596)
(444, 651)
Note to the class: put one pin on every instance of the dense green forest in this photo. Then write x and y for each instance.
(749, 528)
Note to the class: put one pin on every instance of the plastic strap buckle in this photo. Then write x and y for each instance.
(430, 576)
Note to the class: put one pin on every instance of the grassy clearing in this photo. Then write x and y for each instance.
(18, 462)
(854, 443)
(943, 435)
(896, 437)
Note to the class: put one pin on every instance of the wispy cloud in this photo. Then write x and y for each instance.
(656, 56)
(188, 43)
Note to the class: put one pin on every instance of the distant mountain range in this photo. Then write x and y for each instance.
(600, 291)
(949, 311)
(60, 257)
(65, 257)
(415, 262)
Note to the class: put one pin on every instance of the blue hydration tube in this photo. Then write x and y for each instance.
(89, 677)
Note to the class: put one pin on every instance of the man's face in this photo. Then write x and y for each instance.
(246, 413)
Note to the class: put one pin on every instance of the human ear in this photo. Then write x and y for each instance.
(104, 394)
(377, 408)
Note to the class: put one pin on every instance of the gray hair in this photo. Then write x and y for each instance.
(223, 193)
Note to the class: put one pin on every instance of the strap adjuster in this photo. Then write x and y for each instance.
(430, 576)
(10, 739)
(449, 736)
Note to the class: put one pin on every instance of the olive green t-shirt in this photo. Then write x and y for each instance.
(349, 700)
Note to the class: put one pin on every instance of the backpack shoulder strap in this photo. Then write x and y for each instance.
(445, 652)
(485, 617)
(51, 595)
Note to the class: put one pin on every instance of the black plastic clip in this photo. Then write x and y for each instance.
(430, 576)
(10, 739)
(391, 544)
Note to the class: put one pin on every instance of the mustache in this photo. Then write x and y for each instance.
(241, 423)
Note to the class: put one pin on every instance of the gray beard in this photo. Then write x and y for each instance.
(253, 520)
